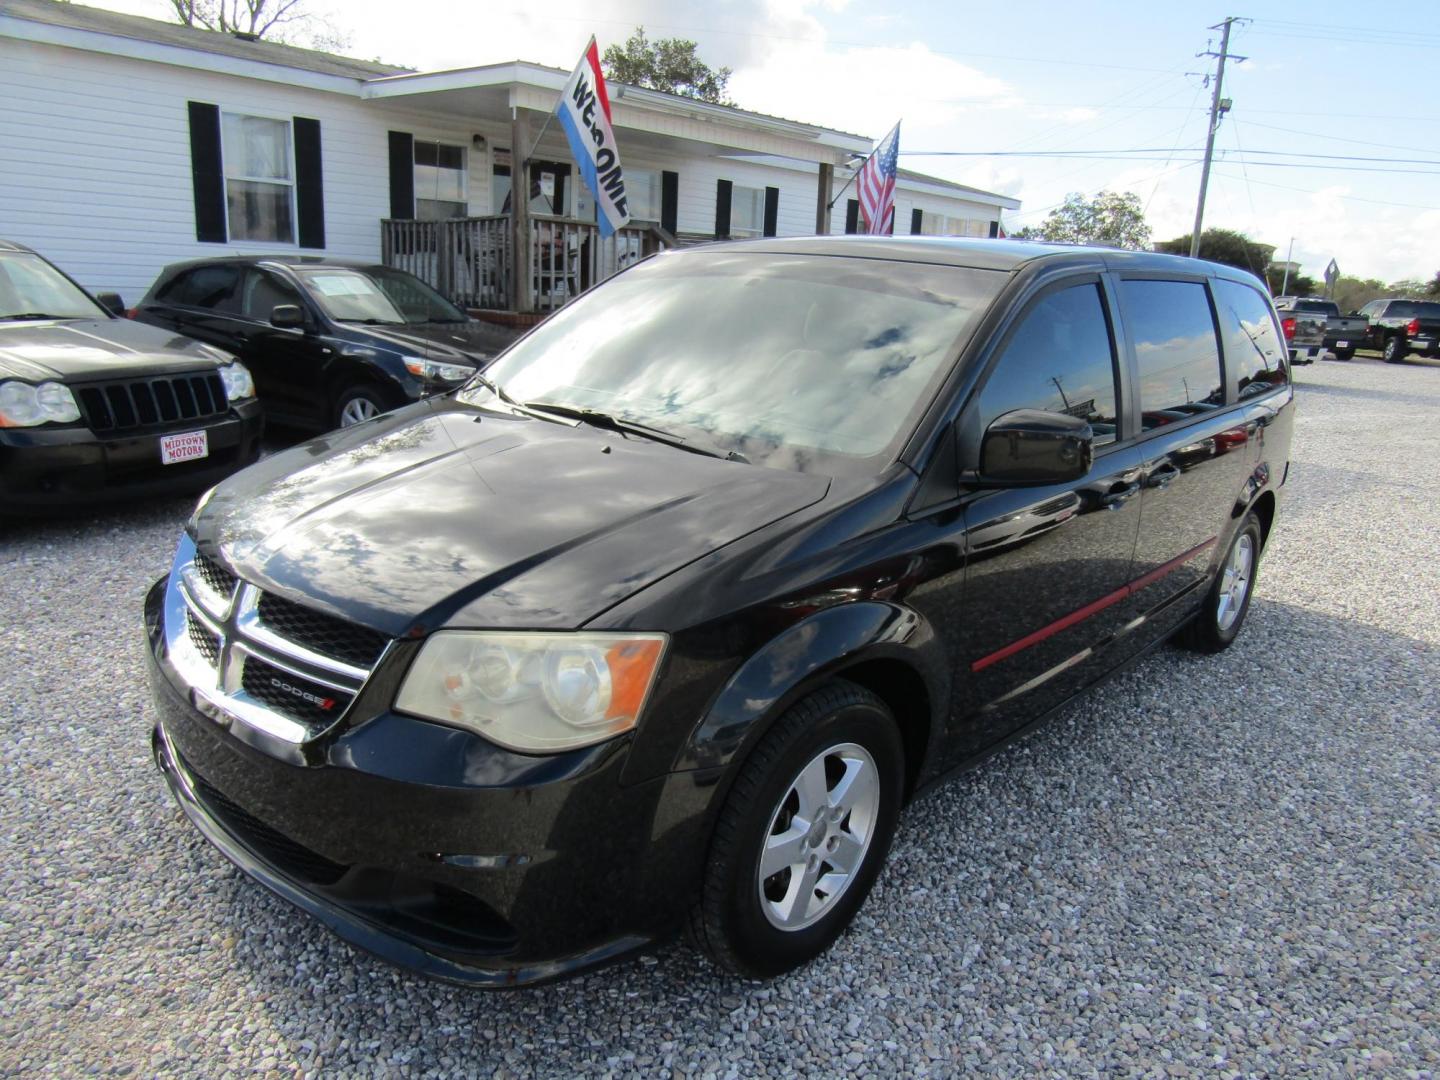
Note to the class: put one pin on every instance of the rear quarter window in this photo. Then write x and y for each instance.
(204, 287)
(1253, 348)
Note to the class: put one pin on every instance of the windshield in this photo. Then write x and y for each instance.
(378, 294)
(30, 288)
(818, 364)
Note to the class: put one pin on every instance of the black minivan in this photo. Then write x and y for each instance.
(331, 342)
(661, 619)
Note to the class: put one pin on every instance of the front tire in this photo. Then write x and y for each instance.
(1227, 602)
(358, 404)
(803, 834)
(1395, 347)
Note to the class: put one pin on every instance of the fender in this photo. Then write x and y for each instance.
(790, 665)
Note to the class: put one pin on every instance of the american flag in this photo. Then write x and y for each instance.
(875, 184)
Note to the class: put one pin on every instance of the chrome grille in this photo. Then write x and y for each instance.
(267, 662)
(206, 643)
(321, 633)
(171, 399)
(220, 581)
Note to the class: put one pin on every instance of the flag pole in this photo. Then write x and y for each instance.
(831, 204)
(551, 114)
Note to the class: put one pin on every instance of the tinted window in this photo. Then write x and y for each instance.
(1060, 360)
(1252, 347)
(263, 293)
(1410, 309)
(205, 287)
(1175, 349)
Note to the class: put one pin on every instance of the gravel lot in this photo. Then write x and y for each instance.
(1227, 866)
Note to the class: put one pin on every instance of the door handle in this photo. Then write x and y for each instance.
(1162, 477)
(1117, 499)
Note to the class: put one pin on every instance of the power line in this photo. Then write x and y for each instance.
(1347, 198)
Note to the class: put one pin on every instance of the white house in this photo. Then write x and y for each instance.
(128, 143)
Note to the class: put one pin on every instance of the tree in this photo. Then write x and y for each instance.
(1225, 246)
(281, 20)
(667, 64)
(1354, 293)
(1293, 284)
(1107, 220)
(1433, 289)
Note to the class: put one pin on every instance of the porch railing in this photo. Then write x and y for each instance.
(469, 259)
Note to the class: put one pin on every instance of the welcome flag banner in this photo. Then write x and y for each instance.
(584, 111)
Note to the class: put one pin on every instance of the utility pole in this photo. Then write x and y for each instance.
(1289, 254)
(1218, 107)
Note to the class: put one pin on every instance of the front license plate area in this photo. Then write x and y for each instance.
(184, 446)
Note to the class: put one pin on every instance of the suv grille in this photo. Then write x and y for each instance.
(206, 643)
(320, 633)
(160, 400)
(220, 580)
(314, 705)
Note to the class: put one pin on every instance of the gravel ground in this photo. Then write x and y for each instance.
(1227, 866)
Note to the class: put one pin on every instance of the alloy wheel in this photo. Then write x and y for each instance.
(818, 836)
(357, 410)
(1235, 582)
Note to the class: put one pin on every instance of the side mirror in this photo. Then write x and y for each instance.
(1030, 446)
(287, 317)
(111, 302)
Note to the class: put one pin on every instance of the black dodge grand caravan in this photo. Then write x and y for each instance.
(662, 619)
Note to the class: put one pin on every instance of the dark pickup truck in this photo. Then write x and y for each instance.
(1400, 327)
(1341, 334)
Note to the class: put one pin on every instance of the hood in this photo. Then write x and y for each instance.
(75, 350)
(473, 342)
(443, 514)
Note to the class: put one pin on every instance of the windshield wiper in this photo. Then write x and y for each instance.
(373, 322)
(35, 315)
(597, 418)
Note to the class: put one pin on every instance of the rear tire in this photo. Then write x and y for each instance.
(1227, 601)
(1395, 348)
(803, 834)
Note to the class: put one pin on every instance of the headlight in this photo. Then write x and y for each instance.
(535, 693)
(237, 380)
(436, 371)
(24, 405)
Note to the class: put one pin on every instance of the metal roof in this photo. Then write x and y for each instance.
(95, 20)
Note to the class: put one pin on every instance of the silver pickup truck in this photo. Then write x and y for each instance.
(1314, 326)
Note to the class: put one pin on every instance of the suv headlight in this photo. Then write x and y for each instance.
(436, 371)
(535, 693)
(238, 383)
(24, 405)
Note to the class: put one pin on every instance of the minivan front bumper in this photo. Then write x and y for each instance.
(504, 878)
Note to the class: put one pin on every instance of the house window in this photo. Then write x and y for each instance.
(747, 211)
(259, 181)
(642, 196)
(439, 181)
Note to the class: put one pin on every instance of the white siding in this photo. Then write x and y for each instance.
(95, 167)
(95, 172)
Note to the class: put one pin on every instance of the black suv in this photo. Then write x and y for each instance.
(96, 408)
(331, 342)
(662, 619)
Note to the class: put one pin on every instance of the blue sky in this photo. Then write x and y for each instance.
(1321, 79)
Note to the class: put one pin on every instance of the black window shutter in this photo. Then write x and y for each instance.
(722, 209)
(994, 230)
(402, 175)
(309, 184)
(772, 209)
(669, 201)
(207, 172)
(852, 215)
(916, 217)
